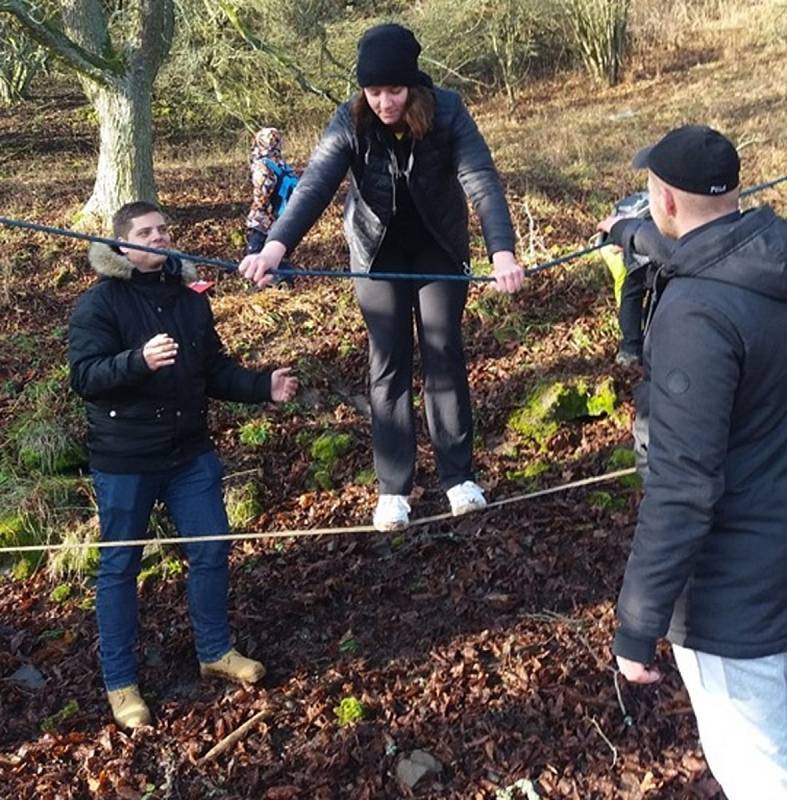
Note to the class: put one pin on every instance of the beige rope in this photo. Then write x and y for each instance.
(286, 534)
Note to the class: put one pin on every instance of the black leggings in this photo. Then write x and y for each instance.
(388, 308)
(632, 311)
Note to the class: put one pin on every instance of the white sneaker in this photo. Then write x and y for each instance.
(392, 513)
(466, 497)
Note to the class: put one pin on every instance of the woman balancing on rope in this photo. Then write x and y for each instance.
(412, 152)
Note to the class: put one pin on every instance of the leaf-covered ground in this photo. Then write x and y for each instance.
(484, 641)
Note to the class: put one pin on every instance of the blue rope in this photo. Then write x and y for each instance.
(290, 272)
(286, 272)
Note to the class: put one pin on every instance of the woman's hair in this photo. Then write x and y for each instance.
(418, 113)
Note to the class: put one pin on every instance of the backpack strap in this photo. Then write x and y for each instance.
(277, 170)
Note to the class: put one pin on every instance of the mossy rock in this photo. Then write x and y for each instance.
(243, 504)
(12, 526)
(326, 450)
(528, 474)
(621, 458)
(255, 433)
(42, 445)
(607, 501)
(25, 566)
(365, 477)
(61, 593)
(554, 402)
(624, 458)
(320, 478)
(17, 529)
(603, 400)
(329, 447)
(536, 421)
(72, 456)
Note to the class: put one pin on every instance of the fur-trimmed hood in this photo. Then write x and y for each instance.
(108, 263)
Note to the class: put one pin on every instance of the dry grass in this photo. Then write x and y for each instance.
(565, 152)
(663, 26)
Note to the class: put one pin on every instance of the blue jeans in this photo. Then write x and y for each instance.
(193, 497)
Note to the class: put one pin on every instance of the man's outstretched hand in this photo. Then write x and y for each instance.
(284, 385)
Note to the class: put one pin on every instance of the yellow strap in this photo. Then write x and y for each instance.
(613, 258)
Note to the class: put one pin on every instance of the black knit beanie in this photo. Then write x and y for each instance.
(388, 56)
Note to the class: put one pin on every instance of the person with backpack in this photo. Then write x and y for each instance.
(273, 180)
(144, 354)
(413, 154)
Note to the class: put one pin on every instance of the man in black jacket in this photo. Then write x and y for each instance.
(708, 566)
(145, 356)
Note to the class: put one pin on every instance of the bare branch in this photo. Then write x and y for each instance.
(86, 61)
(613, 749)
(456, 73)
(157, 29)
(257, 43)
(235, 736)
(86, 23)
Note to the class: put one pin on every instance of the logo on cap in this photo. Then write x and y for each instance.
(718, 189)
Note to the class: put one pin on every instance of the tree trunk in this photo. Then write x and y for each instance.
(125, 162)
(117, 79)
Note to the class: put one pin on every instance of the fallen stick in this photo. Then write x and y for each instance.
(609, 744)
(235, 736)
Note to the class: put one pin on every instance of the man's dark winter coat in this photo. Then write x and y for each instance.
(140, 420)
(708, 566)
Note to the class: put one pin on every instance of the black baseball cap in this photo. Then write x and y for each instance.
(694, 158)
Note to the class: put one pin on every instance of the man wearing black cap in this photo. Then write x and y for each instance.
(708, 566)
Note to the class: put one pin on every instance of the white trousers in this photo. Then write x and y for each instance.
(741, 708)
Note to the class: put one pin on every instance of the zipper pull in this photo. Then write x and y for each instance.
(393, 187)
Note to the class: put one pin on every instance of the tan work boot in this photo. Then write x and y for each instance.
(235, 667)
(128, 707)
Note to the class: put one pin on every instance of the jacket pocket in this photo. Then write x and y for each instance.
(133, 431)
